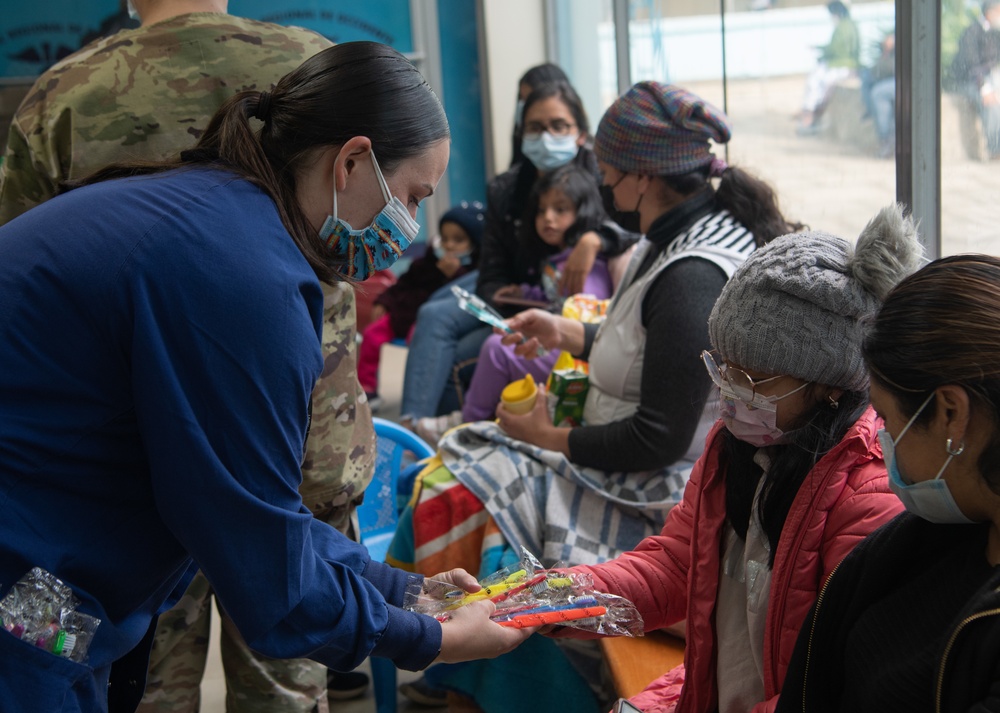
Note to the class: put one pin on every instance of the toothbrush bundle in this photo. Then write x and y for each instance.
(529, 595)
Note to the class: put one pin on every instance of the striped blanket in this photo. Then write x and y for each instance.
(485, 496)
(559, 511)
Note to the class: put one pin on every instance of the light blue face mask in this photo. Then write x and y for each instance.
(548, 152)
(464, 259)
(930, 499)
(132, 12)
(376, 247)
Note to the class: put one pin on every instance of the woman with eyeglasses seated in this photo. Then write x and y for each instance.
(910, 621)
(791, 478)
(446, 341)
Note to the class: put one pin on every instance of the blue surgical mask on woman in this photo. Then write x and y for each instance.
(377, 247)
(548, 152)
(930, 499)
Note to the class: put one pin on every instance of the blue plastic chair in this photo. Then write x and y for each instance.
(397, 450)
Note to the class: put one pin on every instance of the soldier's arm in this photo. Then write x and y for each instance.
(24, 180)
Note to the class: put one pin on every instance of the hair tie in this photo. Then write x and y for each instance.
(263, 107)
(717, 167)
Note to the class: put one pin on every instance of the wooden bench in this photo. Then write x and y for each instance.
(634, 663)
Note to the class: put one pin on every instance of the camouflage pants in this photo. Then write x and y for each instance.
(254, 683)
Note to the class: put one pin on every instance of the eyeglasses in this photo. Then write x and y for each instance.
(557, 127)
(735, 380)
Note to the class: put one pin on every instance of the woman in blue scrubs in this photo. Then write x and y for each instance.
(161, 329)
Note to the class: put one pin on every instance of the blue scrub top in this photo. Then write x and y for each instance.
(161, 342)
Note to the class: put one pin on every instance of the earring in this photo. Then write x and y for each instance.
(954, 451)
(834, 404)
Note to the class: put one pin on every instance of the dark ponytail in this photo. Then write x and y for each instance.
(351, 89)
(750, 200)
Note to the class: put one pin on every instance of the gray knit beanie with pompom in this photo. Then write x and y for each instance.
(795, 306)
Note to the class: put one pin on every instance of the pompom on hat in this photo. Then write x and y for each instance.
(470, 215)
(796, 306)
(657, 129)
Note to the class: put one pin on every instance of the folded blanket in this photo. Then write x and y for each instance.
(559, 511)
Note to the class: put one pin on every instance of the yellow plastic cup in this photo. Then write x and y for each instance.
(519, 396)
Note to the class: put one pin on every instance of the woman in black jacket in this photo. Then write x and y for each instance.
(910, 620)
(445, 339)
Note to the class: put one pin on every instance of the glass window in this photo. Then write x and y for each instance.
(970, 127)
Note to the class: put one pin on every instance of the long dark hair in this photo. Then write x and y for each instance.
(749, 199)
(580, 187)
(534, 78)
(812, 437)
(940, 326)
(351, 89)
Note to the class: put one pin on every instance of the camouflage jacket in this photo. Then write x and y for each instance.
(143, 94)
(340, 450)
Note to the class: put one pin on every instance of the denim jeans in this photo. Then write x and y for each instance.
(444, 337)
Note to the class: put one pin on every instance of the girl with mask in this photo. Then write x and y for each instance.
(156, 408)
(446, 340)
(910, 621)
(791, 478)
(455, 253)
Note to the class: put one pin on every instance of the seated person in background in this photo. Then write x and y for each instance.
(446, 340)
(455, 253)
(908, 622)
(878, 90)
(791, 478)
(838, 60)
(563, 205)
(977, 69)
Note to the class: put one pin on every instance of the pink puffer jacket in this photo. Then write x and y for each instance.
(675, 575)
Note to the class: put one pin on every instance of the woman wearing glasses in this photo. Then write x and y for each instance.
(791, 477)
(556, 133)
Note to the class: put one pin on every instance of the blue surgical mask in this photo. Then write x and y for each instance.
(548, 152)
(930, 499)
(132, 12)
(376, 247)
(464, 259)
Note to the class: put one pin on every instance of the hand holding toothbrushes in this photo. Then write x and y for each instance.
(527, 596)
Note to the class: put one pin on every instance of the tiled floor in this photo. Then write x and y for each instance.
(213, 687)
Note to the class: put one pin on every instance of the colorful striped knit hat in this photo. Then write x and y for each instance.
(657, 129)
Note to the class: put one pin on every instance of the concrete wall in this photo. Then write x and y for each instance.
(514, 42)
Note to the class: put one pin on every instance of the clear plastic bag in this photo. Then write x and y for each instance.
(40, 610)
(528, 594)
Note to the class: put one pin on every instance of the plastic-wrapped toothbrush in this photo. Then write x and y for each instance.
(478, 308)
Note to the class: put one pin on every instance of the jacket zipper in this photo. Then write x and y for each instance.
(812, 632)
(951, 642)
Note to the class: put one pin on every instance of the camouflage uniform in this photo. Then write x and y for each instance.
(146, 94)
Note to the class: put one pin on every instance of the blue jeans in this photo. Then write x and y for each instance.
(444, 338)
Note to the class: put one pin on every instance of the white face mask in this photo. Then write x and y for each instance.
(930, 499)
(132, 12)
(754, 422)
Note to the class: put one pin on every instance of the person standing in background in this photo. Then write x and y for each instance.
(147, 94)
(977, 68)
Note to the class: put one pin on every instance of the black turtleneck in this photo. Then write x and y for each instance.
(675, 385)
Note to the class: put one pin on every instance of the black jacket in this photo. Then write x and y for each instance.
(952, 664)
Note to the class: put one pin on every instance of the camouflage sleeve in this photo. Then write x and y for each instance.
(340, 449)
(27, 176)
